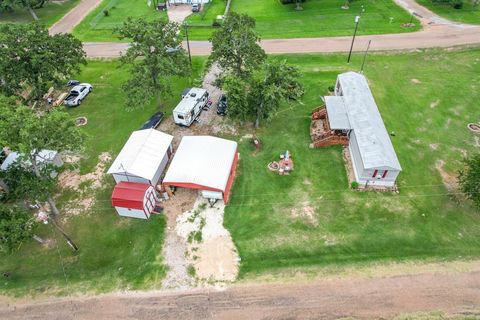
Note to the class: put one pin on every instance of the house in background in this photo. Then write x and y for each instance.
(204, 163)
(352, 118)
(135, 200)
(44, 157)
(143, 158)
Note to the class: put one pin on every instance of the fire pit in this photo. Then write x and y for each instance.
(80, 121)
(475, 127)
(284, 165)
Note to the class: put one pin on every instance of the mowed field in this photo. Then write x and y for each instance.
(467, 14)
(99, 27)
(48, 15)
(312, 218)
(319, 18)
(115, 253)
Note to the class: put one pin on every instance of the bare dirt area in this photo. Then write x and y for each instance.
(366, 298)
(174, 247)
(210, 248)
(72, 179)
(449, 179)
(179, 12)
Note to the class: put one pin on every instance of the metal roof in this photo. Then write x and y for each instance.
(189, 100)
(374, 143)
(44, 156)
(203, 161)
(129, 195)
(142, 154)
(337, 113)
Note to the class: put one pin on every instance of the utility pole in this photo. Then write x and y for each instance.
(365, 56)
(357, 20)
(188, 44)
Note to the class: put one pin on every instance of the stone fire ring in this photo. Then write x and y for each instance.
(474, 127)
(81, 121)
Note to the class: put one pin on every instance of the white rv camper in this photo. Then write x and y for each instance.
(190, 106)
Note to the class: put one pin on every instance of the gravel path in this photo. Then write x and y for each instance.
(379, 298)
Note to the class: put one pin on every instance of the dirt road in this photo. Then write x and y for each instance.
(437, 32)
(74, 16)
(326, 299)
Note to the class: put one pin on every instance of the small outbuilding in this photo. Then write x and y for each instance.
(136, 200)
(143, 158)
(205, 163)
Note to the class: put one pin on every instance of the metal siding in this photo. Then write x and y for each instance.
(132, 213)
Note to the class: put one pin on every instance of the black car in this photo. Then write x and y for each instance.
(153, 122)
(222, 105)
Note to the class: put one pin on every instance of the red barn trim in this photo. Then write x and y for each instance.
(129, 195)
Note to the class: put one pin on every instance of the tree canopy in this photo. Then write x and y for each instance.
(470, 179)
(155, 55)
(235, 45)
(33, 60)
(260, 95)
(16, 226)
(24, 131)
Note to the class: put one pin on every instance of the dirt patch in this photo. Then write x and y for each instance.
(415, 81)
(305, 212)
(177, 13)
(210, 249)
(435, 104)
(449, 179)
(434, 146)
(175, 247)
(86, 184)
(474, 127)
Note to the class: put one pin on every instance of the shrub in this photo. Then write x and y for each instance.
(105, 13)
(457, 4)
(331, 88)
(216, 23)
(354, 185)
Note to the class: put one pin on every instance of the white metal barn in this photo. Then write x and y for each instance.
(205, 163)
(353, 109)
(135, 200)
(143, 157)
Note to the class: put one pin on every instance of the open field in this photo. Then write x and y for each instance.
(468, 14)
(312, 217)
(99, 27)
(48, 15)
(114, 252)
(320, 18)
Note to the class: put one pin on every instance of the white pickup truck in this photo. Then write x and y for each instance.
(77, 94)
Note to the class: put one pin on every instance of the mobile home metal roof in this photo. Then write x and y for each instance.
(142, 154)
(374, 143)
(203, 161)
(189, 100)
(337, 113)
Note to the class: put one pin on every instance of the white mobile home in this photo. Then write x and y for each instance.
(352, 118)
(374, 159)
(143, 158)
(190, 107)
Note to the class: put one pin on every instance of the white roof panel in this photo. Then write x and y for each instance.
(374, 143)
(337, 113)
(202, 160)
(189, 100)
(44, 156)
(142, 154)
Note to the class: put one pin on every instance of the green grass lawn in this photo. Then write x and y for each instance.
(320, 18)
(201, 23)
(114, 252)
(98, 27)
(49, 14)
(348, 227)
(468, 14)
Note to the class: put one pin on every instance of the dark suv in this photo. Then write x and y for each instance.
(222, 105)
